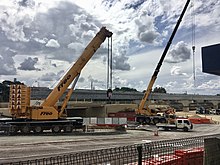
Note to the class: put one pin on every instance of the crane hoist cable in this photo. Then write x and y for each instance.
(109, 69)
(193, 42)
(109, 65)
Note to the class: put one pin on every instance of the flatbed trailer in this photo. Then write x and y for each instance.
(183, 124)
(14, 126)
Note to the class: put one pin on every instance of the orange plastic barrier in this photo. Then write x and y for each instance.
(200, 120)
(206, 121)
(192, 156)
(163, 160)
(129, 115)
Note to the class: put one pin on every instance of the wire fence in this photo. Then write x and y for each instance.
(187, 151)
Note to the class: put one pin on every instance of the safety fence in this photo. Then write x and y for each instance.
(187, 151)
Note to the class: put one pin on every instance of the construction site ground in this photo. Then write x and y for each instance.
(23, 147)
(214, 118)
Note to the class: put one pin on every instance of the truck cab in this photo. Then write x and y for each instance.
(178, 123)
(184, 124)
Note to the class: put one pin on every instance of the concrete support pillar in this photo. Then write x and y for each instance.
(215, 103)
(185, 105)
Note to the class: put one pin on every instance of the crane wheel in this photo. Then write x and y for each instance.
(185, 129)
(140, 121)
(166, 129)
(38, 129)
(56, 129)
(156, 120)
(162, 120)
(147, 120)
(13, 130)
(68, 128)
(25, 129)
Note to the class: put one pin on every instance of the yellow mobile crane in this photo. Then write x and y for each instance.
(48, 116)
(145, 115)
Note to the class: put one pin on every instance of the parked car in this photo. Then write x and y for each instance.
(212, 111)
(217, 112)
(202, 110)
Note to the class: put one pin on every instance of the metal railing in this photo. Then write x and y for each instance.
(177, 151)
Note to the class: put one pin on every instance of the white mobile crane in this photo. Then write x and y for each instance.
(145, 115)
(48, 116)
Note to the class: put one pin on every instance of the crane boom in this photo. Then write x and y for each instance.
(141, 109)
(91, 48)
(68, 95)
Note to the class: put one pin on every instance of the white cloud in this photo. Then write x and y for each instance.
(120, 82)
(48, 77)
(211, 84)
(120, 63)
(53, 43)
(170, 85)
(140, 32)
(176, 70)
(42, 41)
(75, 46)
(146, 29)
(179, 53)
(7, 62)
(14, 21)
(29, 64)
(51, 76)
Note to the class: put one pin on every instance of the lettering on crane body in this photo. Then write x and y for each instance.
(63, 82)
(45, 113)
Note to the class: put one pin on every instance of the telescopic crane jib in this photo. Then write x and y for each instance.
(144, 113)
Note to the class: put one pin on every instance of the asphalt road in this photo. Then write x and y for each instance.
(30, 147)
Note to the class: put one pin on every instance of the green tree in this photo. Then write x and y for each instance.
(159, 90)
(125, 89)
(5, 89)
(4, 92)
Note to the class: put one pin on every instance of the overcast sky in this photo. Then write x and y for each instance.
(40, 40)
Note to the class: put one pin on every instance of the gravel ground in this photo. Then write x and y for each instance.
(30, 147)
